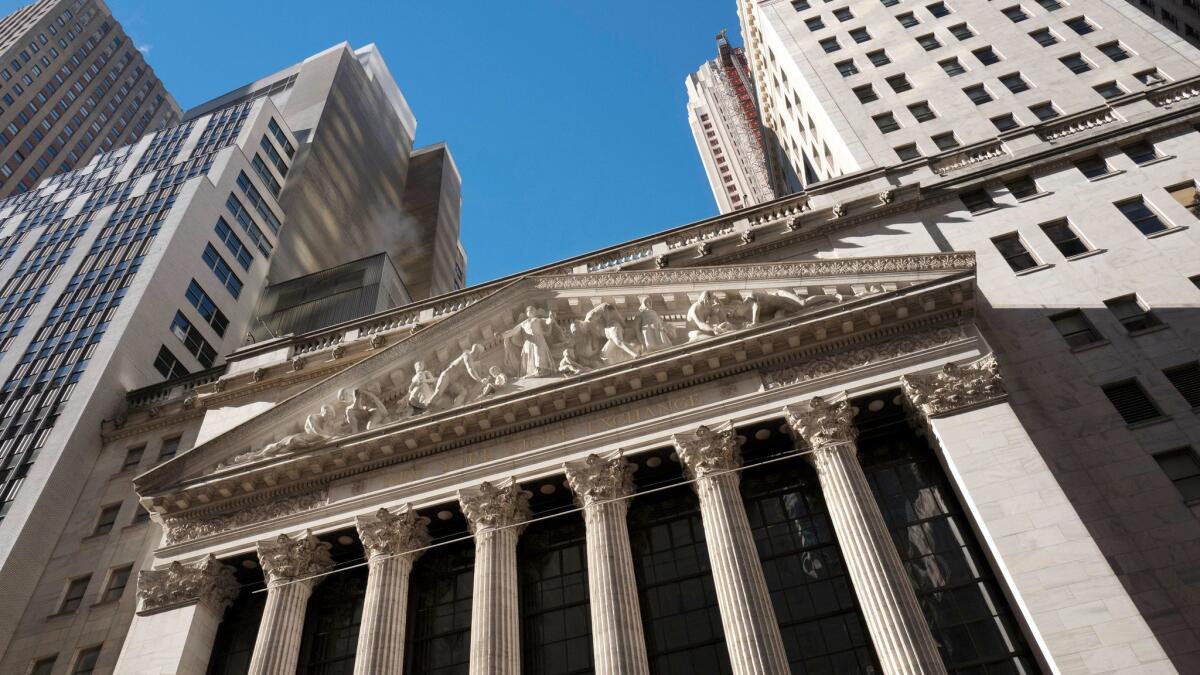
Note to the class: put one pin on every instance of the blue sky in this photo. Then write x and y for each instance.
(567, 118)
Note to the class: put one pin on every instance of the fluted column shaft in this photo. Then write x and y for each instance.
(393, 542)
(495, 514)
(751, 630)
(903, 641)
(291, 567)
(618, 641)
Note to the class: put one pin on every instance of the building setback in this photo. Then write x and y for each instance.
(72, 84)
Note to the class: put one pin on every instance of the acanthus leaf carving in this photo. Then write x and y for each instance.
(822, 422)
(394, 533)
(208, 582)
(491, 506)
(180, 529)
(955, 387)
(595, 479)
(302, 559)
(708, 450)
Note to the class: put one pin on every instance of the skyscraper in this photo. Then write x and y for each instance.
(72, 84)
(149, 263)
(1181, 16)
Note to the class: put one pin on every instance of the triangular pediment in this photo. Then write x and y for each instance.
(540, 346)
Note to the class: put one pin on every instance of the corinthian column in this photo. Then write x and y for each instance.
(711, 457)
(901, 635)
(601, 486)
(392, 541)
(495, 514)
(289, 565)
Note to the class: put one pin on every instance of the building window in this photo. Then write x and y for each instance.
(1092, 167)
(1022, 187)
(1186, 379)
(907, 19)
(1131, 401)
(928, 42)
(1016, 13)
(133, 457)
(207, 308)
(1074, 327)
(1182, 467)
(847, 67)
(922, 112)
(889, 3)
(879, 58)
(1005, 122)
(1109, 90)
(978, 94)
(1140, 152)
(552, 578)
(800, 5)
(235, 245)
(1080, 25)
(899, 83)
(117, 579)
(814, 24)
(170, 446)
(1132, 314)
(830, 45)
(74, 595)
(1044, 110)
(977, 200)
(140, 515)
(962, 31)
(938, 9)
(167, 365)
(1014, 252)
(85, 663)
(1044, 37)
(866, 94)
(107, 518)
(1142, 216)
(908, 151)
(1076, 63)
(1015, 83)
(191, 338)
(986, 55)
(860, 35)
(1050, 5)
(1150, 77)
(1114, 50)
(886, 122)
(952, 66)
(946, 141)
(1188, 196)
(222, 270)
(43, 666)
(1065, 239)
(843, 14)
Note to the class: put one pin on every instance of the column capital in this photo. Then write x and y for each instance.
(597, 479)
(492, 506)
(823, 422)
(955, 387)
(708, 450)
(398, 533)
(208, 582)
(284, 559)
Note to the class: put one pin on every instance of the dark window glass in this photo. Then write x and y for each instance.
(843, 14)
(962, 31)
(830, 45)
(907, 19)
(976, 200)
(908, 151)
(1065, 239)
(1014, 252)
(1182, 467)
(133, 457)
(167, 365)
(236, 633)
(1150, 77)
(1076, 63)
(1044, 37)
(978, 94)
(675, 586)
(555, 622)
(193, 340)
(140, 515)
(1044, 111)
(44, 666)
(986, 55)
(1109, 90)
(206, 307)
(1005, 122)
(1186, 379)
(1050, 5)
(815, 23)
(899, 83)
(1015, 83)
(222, 270)
(85, 663)
(1080, 25)
(879, 58)
(1187, 195)
(819, 616)
(886, 122)
(952, 66)
(1131, 402)
(170, 446)
(860, 35)
(439, 614)
(1092, 167)
(847, 68)
(800, 5)
(1015, 14)
(922, 112)
(117, 581)
(1131, 313)
(330, 636)
(108, 517)
(74, 595)
(1142, 217)
(1075, 328)
(1022, 187)
(929, 42)
(866, 94)
(938, 9)
(1114, 50)
(946, 141)
(1140, 152)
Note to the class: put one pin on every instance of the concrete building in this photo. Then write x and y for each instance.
(72, 84)
(1181, 16)
(723, 116)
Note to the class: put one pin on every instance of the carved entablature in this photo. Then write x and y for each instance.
(955, 387)
(178, 584)
(182, 529)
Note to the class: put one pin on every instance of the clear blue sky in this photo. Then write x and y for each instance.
(567, 118)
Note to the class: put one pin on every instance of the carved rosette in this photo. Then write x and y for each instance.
(596, 479)
(209, 582)
(823, 422)
(709, 450)
(955, 387)
(492, 507)
(285, 560)
(392, 534)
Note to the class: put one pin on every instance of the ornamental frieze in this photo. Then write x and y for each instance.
(181, 529)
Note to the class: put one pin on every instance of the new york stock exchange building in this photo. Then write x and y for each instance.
(833, 433)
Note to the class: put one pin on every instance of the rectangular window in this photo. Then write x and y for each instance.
(206, 308)
(1015, 83)
(170, 446)
(193, 340)
(830, 45)
(117, 580)
(140, 515)
(938, 9)
(1005, 122)
(1076, 63)
(977, 200)
(1132, 314)
(908, 151)
(1044, 110)
(922, 112)
(1064, 238)
(257, 201)
(886, 122)
(284, 143)
(879, 58)
(1014, 252)
(1044, 37)
(1142, 216)
(1075, 329)
(1182, 467)
(899, 83)
(1080, 25)
(1092, 167)
(1114, 50)
(1187, 196)
(222, 270)
(986, 55)
(928, 42)
(847, 67)
(260, 167)
(74, 595)
(44, 666)
(1131, 401)
(235, 245)
(946, 141)
(1150, 77)
(814, 24)
(85, 663)
(1109, 90)
(962, 31)
(1186, 379)
(800, 5)
(860, 35)
(1140, 152)
(133, 457)
(866, 94)
(952, 66)
(107, 518)
(246, 222)
(1022, 187)
(1016, 13)
(978, 94)
(907, 19)
(1050, 5)
(167, 365)
(843, 14)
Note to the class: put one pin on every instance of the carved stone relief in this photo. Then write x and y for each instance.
(955, 387)
(180, 529)
(492, 506)
(597, 479)
(709, 450)
(209, 582)
(285, 560)
(394, 533)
